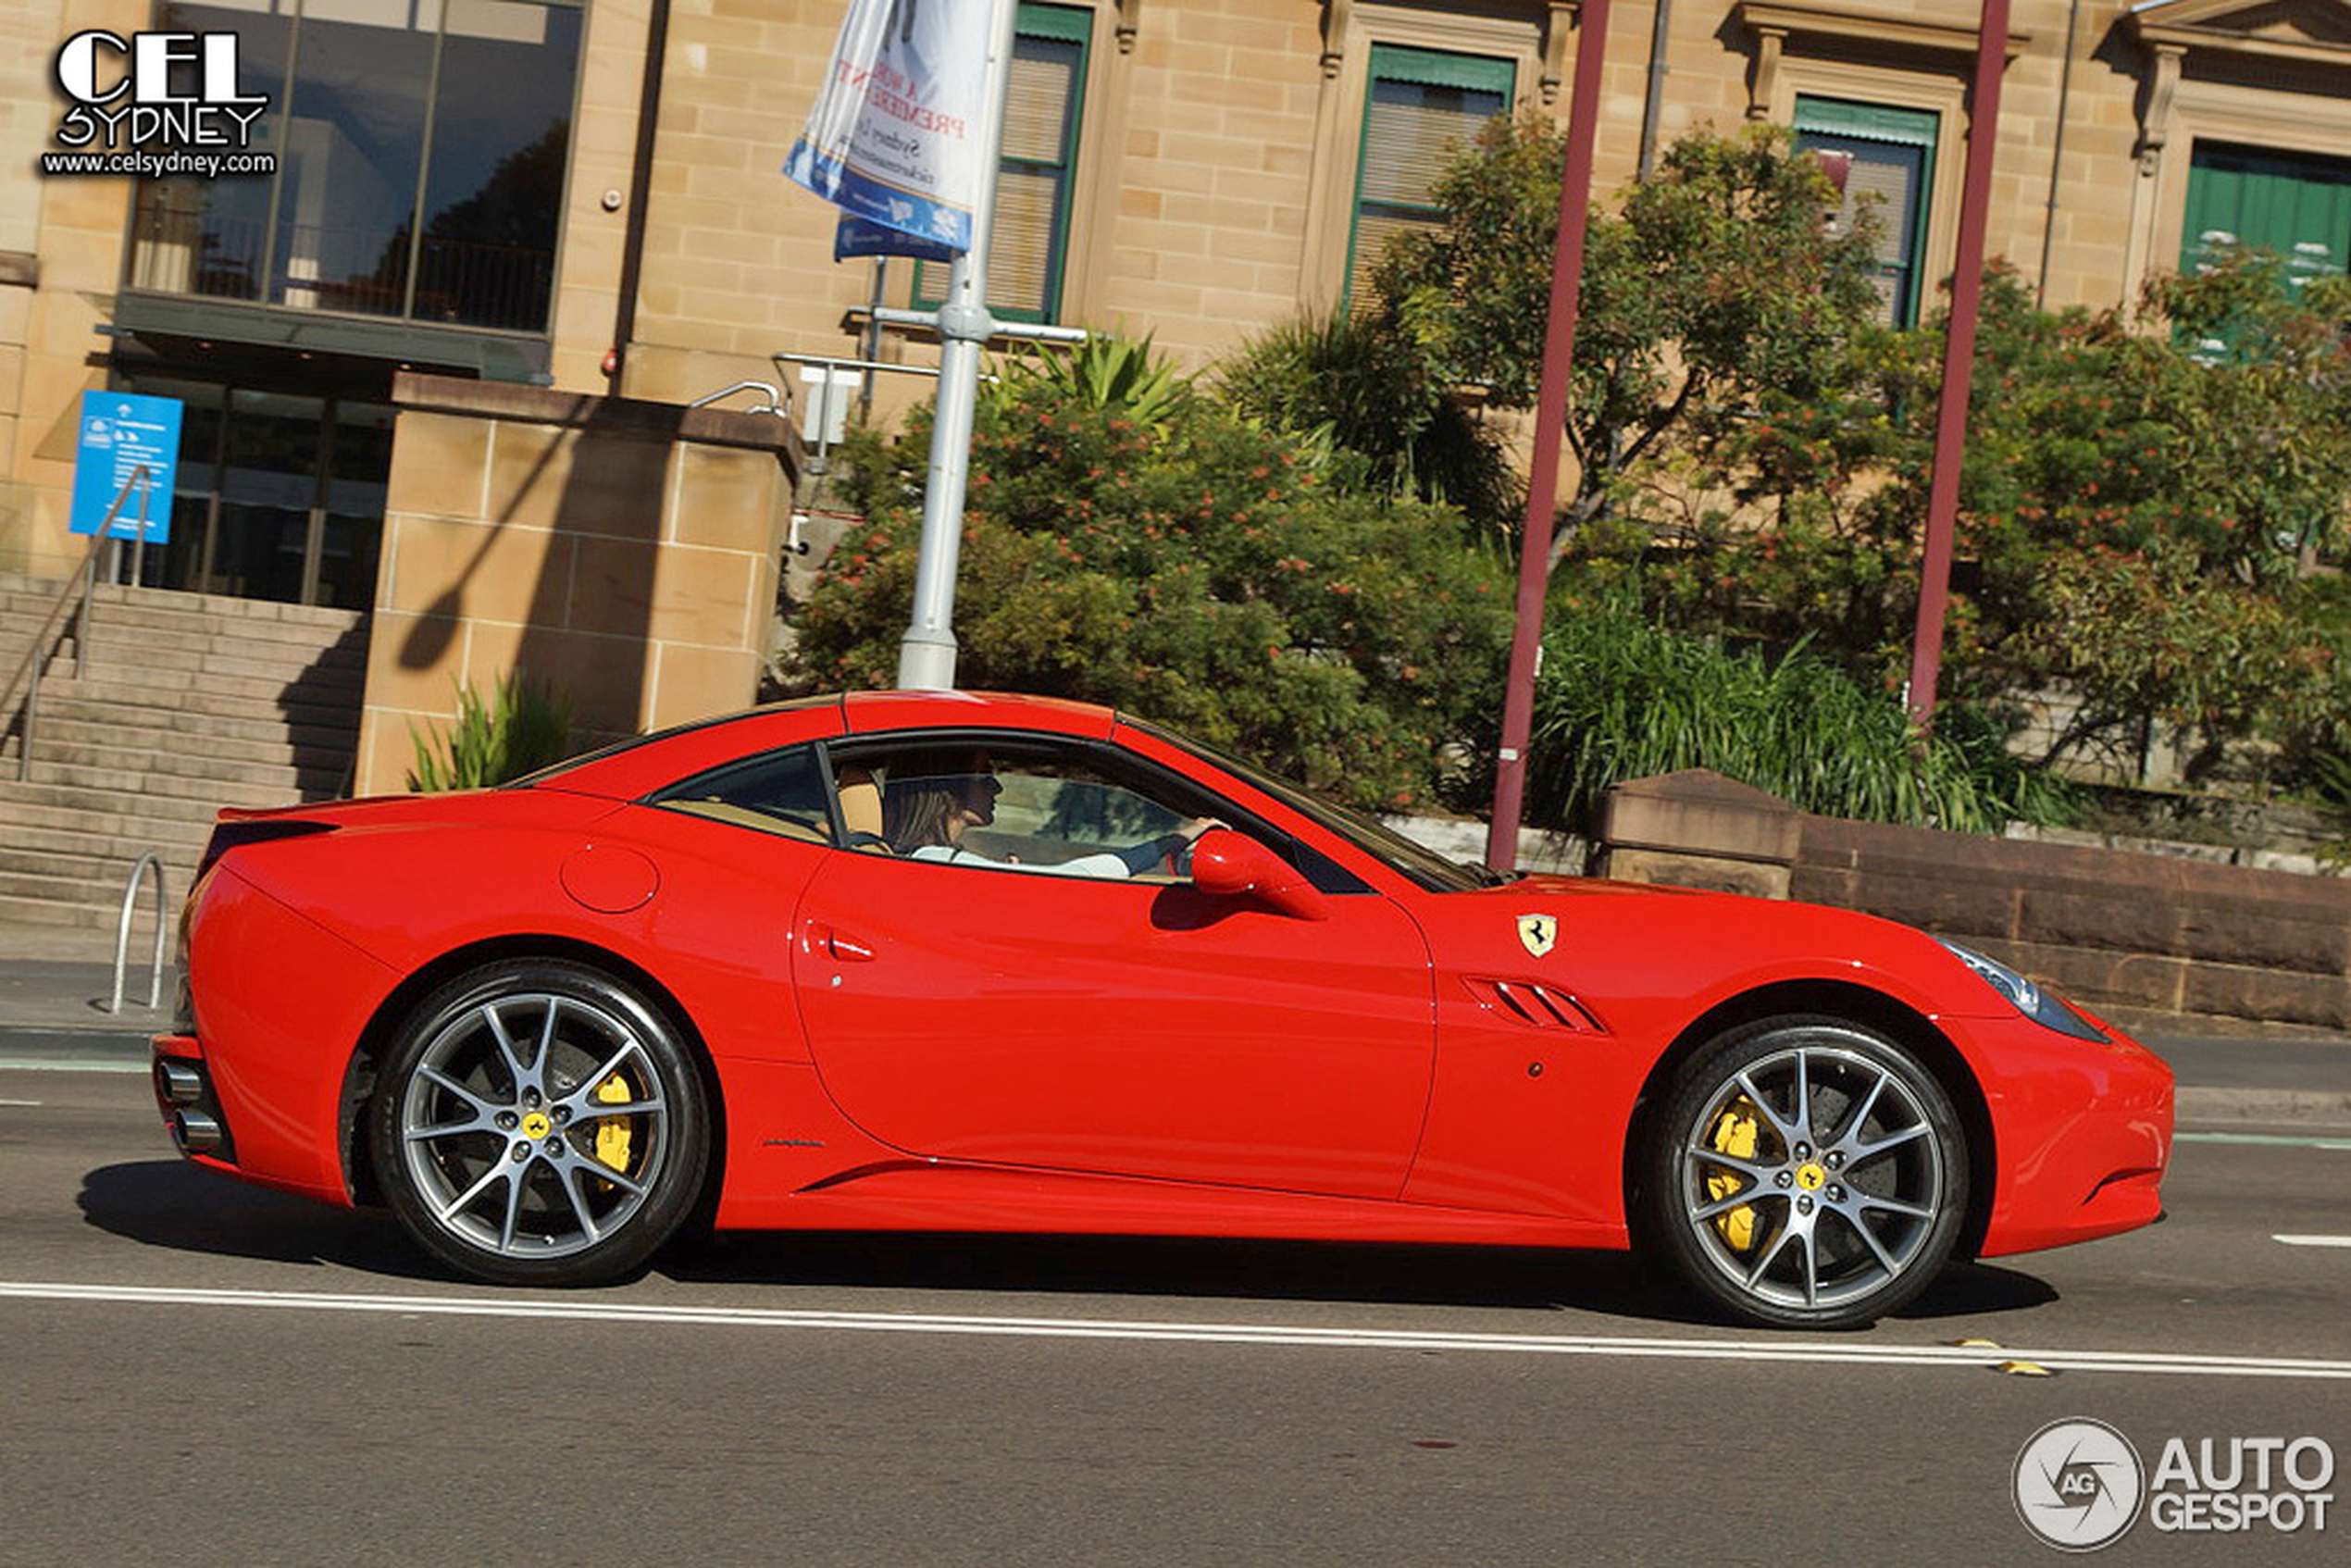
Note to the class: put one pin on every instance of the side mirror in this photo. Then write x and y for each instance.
(1230, 865)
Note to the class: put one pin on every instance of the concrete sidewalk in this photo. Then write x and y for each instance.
(55, 1010)
(2230, 1072)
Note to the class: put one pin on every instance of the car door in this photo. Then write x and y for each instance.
(990, 1010)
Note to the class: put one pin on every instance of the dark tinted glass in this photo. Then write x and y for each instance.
(502, 123)
(778, 792)
(267, 487)
(354, 139)
(421, 146)
(206, 236)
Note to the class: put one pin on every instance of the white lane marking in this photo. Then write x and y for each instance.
(21, 1104)
(1947, 1356)
(2314, 1241)
(7, 1066)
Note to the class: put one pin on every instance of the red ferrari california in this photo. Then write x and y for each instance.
(957, 962)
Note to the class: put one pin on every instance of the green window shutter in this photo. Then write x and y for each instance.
(1893, 153)
(1421, 109)
(1028, 236)
(2298, 205)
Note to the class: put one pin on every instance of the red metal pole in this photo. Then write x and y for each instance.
(1959, 361)
(1551, 425)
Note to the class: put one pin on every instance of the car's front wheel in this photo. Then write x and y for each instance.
(1805, 1172)
(538, 1123)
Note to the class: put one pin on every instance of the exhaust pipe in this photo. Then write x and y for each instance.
(184, 1095)
(195, 1132)
(178, 1083)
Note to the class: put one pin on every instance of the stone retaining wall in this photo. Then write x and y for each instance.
(622, 551)
(2109, 927)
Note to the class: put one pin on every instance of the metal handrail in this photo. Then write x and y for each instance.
(122, 934)
(85, 577)
(777, 403)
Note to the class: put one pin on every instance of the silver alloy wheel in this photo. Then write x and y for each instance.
(1812, 1178)
(534, 1125)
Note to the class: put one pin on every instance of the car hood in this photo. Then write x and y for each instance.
(1635, 941)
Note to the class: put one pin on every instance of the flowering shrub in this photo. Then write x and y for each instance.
(1199, 571)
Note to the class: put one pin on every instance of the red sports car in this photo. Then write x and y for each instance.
(958, 962)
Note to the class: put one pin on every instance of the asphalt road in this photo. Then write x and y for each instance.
(191, 1368)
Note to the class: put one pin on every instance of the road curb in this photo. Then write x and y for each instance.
(77, 1046)
(2266, 1106)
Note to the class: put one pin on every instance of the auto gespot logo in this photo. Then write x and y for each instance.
(2080, 1485)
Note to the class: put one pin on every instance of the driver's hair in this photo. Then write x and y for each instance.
(921, 793)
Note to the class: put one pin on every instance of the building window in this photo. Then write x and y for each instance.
(1029, 235)
(2297, 205)
(421, 147)
(1421, 109)
(279, 495)
(1893, 153)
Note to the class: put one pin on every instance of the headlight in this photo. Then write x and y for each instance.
(2042, 1007)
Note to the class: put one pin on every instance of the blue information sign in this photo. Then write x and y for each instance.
(127, 439)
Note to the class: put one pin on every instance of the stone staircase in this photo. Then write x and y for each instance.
(186, 704)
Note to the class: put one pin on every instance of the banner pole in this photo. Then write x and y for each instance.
(1551, 430)
(1959, 364)
(926, 653)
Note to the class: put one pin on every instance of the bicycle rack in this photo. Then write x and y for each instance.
(122, 934)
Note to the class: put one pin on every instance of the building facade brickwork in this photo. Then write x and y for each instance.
(586, 194)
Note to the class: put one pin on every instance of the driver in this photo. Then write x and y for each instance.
(932, 800)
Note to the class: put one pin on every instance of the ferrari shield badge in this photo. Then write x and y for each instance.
(1538, 932)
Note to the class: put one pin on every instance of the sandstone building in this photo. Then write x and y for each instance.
(435, 367)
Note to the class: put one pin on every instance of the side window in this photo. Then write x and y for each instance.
(1028, 246)
(1423, 107)
(778, 792)
(2295, 203)
(1021, 805)
(1892, 152)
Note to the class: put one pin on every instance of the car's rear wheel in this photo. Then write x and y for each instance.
(1806, 1172)
(538, 1123)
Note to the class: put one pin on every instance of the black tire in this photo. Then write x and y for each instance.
(564, 1153)
(1804, 1173)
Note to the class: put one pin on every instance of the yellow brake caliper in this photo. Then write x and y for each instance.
(1734, 1134)
(612, 1132)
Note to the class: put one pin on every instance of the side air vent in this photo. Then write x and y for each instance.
(1534, 1005)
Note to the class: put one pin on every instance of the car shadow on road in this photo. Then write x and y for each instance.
(1611, 1284)
(175, 1204)
(171, 1203)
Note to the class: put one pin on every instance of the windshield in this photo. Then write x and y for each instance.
(1423, 866)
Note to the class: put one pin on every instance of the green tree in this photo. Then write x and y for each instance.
(2148, 512)
(1384, 406)
(1715, 282)
(1198, 571)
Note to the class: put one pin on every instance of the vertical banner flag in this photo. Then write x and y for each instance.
(895, 138)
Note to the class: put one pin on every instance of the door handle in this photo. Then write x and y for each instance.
(849, 950)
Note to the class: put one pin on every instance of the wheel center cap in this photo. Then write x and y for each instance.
(1810, 1176)
(536, 1125)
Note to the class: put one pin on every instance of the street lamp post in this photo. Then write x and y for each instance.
(927, 652)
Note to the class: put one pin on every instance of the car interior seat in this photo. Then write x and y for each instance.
(861, 808)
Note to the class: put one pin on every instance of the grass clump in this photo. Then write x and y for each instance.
(522, 727)
(1621, 697)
